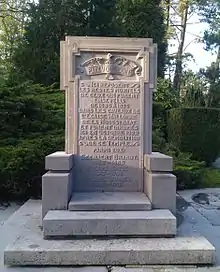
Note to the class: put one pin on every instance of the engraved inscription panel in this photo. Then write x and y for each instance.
(109, 139)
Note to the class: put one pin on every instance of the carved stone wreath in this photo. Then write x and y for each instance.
(111, 65)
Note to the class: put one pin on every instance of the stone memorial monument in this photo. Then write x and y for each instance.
(108, 184)
(108, 153)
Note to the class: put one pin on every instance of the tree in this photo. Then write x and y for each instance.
(210, 12)
(50, 21)
(13, 16)
(193, 90)
(140, 18)
(184, 12)
(178, 15)
(32, 126)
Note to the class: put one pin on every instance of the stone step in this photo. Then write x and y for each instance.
(156, 223)
(109, 201)
(31, 249)
(26, 246)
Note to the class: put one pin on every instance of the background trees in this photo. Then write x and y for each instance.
(13, 19)
(32, 108)
(50, 21)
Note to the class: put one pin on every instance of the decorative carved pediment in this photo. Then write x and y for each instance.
(111, 65)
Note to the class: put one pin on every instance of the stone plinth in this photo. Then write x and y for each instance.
(159, 184)
(109, 201)
(29, 248)
(156, 223)
(57, 183)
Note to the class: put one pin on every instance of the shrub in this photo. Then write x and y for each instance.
(29, 111)
(22, 166)
(188, 172)
(32, 126)
(164, 98)
(195, 130)
(211, 178)
(165, 95)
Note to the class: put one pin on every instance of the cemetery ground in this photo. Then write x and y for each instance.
(198, 213)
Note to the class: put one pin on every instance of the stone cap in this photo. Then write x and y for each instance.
(158, 162)
(59, 161)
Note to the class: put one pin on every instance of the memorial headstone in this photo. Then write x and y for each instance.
(108, 124)
(108, 159)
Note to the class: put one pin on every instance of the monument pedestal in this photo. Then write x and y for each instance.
(29, 248)
(156, 223)
(95, 214)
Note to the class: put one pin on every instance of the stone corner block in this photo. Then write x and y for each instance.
(161, 190)
(59, 161)
(158, 162)
(56, 191)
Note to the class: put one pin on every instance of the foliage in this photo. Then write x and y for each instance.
(164, 98)
(158, 135)
(165, 94)
(22, 166)
(189, 172)
(50, 21)
(28, 111)
(32, 126)
(193, 90)
(138, 18)
(211, 75)
(37, 58)
(195, 130)
(209, 10)
(211, 178)
(12, 22)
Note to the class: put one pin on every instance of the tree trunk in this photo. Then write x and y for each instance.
(179, 57)
(168, 14)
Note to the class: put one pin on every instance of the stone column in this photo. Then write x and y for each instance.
(57, 182)
(159, 182)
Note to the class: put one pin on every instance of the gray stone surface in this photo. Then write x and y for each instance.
(158, 162)
(59, 161)
(56, 191)
(27, 247)
(114, 79)
(161, 190)
(92, 201)
(165, 269)
(206, 202)
(55, 269)
(160, 223)
(193, 224)
(7, 210)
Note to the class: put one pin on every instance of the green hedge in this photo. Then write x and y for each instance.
(32, 126)
(22, 166)
(195, 130)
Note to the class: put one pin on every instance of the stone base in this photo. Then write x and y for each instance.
(29, 251)
(109, 201)
(29, 248)
(156, 223)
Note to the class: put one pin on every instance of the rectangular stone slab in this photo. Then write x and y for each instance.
(26, 250)
(108, 85)
(109, 223)
(109, 201)
(28, 247)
